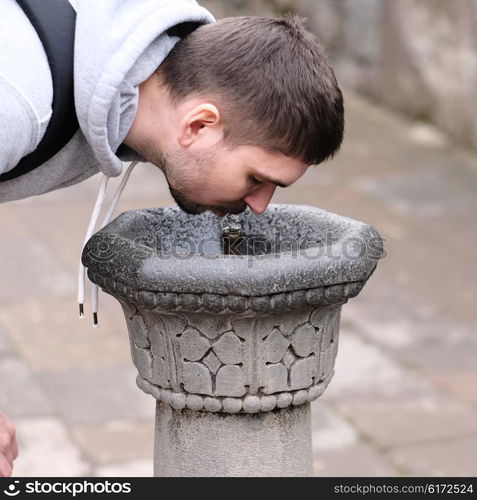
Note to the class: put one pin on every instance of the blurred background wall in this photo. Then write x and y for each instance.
(417, 56)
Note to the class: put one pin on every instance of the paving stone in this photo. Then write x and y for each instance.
(61, 227)
(50, 337)
(329, 430)
(407, 290)
(456, 457)
(445, 354)
(412, 419)
(135, 468)
(67, 211)
(378, 315)
(428, 135)
(360, 460)
(389, 331)
(45, 449)
(424, 337)
(34, 272)
(445, 192)
(146, 187)
(20, 393)
(115, 440)
(363, 369)
(462, 384)
(94, 396)
(5, 344)
(11, 217)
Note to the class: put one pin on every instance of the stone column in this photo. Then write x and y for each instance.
(201, 444)
(233, 348)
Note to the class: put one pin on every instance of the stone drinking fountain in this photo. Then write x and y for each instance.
(233, 327)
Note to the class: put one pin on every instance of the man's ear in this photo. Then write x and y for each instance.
(203, 118)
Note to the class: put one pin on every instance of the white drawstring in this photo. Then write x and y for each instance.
(92, 222)
(107, 218)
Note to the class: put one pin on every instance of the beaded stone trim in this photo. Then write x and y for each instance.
(206, 302)
(248, 404)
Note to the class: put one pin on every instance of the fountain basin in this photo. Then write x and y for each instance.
(221, 326)
(249, 336)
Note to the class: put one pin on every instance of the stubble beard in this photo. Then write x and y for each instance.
(177, 162)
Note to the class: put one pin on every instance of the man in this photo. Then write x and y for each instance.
(228, 111)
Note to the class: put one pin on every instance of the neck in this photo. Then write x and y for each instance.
(153, 111)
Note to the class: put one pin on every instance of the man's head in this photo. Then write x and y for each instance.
(238, 107)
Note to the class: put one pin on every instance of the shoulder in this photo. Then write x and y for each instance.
(19, 126)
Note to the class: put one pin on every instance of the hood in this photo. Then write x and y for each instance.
(118, 45)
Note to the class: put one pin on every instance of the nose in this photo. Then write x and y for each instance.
(258, 200)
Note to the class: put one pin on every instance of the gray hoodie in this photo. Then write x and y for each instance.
(118, 45)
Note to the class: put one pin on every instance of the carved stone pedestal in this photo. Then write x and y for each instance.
(233, 348)
(235, 382)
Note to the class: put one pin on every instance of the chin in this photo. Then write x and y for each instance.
(192, 210)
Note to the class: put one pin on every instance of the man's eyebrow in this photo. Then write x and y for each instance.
(279, 184)
(273, 181)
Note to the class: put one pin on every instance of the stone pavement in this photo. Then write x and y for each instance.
(404, 397)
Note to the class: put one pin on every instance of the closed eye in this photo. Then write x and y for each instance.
(255, 181)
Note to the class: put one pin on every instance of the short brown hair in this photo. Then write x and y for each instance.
(272, 79)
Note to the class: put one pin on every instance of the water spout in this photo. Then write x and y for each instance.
(232, 234)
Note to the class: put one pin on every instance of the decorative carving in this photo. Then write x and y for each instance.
(232, 405)
(234, 363)
(276, 346)
(229, 349)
